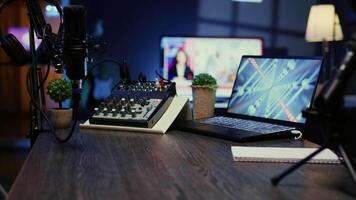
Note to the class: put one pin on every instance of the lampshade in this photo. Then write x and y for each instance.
(323, 24)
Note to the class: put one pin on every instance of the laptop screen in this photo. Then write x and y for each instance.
(275, 88)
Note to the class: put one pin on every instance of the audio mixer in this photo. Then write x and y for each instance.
(136, 104)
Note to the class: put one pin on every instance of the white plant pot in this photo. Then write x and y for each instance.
(203, 102)
(61, 118)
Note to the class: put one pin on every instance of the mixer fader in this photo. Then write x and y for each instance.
(137, 104)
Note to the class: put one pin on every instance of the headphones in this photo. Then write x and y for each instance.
(45, 51)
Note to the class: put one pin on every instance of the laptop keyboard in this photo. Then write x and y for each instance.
(247, 125)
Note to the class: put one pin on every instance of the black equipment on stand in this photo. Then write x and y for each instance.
(73, 56)
(329, 110)
(47, 52)
(35, 79)
(36, 120)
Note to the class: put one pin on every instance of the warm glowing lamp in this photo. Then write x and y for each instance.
(324, 26)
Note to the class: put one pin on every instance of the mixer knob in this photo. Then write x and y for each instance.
(139, 110)
(123, 112)
(149, 107)
(128, 107)
(105, 111)
(113, 111)
(133, 113)
(132, 101)
(118, 106)
(97, 111)
(142, 102)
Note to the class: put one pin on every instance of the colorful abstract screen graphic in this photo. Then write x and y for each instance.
(184, 57)
(275, 88)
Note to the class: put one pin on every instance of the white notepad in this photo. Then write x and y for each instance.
(281, 154)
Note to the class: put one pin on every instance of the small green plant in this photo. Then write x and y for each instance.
(59, 90)
(204, 80)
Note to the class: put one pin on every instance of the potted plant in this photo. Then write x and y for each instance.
(204, 91)
(59, 90)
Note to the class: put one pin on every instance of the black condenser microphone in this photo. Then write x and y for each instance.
(74, 43)
(332, 92)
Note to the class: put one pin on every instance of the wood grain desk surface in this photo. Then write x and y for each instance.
(111, 165)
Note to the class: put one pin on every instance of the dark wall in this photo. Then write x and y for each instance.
(133, 28)
(347, 13)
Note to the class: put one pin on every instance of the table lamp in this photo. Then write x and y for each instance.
(324, 26)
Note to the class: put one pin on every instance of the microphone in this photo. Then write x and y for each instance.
(74, 44)
(331, 94)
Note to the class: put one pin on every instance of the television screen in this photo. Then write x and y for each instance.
(184, 57)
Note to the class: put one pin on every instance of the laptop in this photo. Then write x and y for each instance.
(267, 99)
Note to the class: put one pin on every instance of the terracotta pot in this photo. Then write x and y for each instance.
(203, 101)
(61, 118)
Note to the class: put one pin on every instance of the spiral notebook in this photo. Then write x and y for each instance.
(282, 155)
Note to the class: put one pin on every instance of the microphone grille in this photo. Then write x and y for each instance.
(74, 21)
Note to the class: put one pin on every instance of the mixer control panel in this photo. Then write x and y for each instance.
(136, 104)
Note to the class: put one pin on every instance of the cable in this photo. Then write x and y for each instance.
(34, 103)
(162, 78)
(92, 67)
(38, 24)
(28, 83)
(75, 97)
(46, 75)
(104, 60)
(115, 86)
(3, 192)
(76, 102)
(297, 134)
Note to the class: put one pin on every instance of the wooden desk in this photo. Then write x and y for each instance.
(102, 165)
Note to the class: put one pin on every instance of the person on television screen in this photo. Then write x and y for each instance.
(180, 70)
